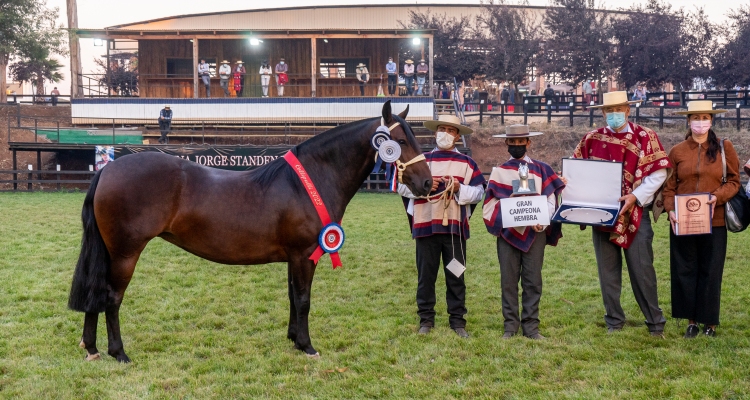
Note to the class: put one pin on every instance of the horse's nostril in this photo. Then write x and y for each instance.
(428, 184)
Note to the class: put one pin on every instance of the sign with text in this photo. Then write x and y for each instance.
(238, 158)
(524, 211)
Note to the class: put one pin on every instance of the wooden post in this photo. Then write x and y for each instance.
(195, 68)
(430, 63)
(107, 70)
(15, 168)
(75, 54)
(313, 66)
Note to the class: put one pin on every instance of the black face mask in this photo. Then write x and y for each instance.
(517, 151)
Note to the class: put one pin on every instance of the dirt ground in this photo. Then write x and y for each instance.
(51, 116)
(558, 141)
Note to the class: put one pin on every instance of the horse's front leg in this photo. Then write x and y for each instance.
(291, 332)
(302, 271)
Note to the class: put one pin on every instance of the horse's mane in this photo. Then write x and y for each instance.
(267, 174)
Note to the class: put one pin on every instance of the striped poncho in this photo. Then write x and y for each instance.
(500, 186)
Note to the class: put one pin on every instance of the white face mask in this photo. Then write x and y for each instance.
(701, 127)
(444, 140)
(282, 63)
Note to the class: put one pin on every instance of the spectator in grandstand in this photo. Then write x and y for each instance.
(409, 77)
(238, 76)
(422, 71)
(281, 76)
(392, 69)
(362, 76)
(265, 76)
(203, 72)
(165, 123)
(639, 93)
(54, 94)
(225, 72)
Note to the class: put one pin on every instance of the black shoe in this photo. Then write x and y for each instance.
(613, 330)
(692, 331)
(708, 331)
(423, 330)
(508, 334)
(461, 332)
(659, 334)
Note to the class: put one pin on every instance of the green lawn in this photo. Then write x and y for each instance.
(201, 330)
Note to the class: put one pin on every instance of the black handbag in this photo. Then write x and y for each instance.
(737, 209)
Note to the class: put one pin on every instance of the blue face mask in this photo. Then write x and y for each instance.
(616, 119)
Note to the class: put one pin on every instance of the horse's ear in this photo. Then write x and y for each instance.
(404, 113)
(387, 116)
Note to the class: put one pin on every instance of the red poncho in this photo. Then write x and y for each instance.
(641, 153)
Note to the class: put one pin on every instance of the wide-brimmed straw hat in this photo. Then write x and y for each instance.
(518, 131)
(615, 99)
(409, 61)
(225, 62)
(167, 106)
(701, 107)
(361, 65)
(239, 62)
(449, 120)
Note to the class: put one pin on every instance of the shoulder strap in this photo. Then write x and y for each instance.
(723, 163)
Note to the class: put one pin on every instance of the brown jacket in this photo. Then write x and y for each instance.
(693, 173)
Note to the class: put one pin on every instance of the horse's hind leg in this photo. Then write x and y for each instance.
(88, 341)
(302, 271)
(291, 333)
(122, 271)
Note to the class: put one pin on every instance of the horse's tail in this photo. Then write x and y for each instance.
(89, 292)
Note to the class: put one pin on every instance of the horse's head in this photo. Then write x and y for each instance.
(415, 173)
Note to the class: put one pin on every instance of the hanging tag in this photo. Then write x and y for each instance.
(456, 268)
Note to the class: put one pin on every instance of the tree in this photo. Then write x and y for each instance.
(25, 24)
(511, 38)
(36, 67)
(731, 63)
(579, 44)
(453, 47)
(658, 45)
(122, 74)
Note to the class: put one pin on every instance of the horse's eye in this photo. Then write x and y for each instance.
(401, 141)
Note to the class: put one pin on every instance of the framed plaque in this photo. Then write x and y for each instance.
(693, 214)
(592, 195)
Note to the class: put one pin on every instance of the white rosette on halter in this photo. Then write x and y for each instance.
(389, 151)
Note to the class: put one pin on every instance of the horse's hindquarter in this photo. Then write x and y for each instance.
(214, 214)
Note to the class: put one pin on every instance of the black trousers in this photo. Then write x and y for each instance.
(361, 88)
(516, 266)
(696, 264)
(429, 251)
(392, 83)
(164, 127)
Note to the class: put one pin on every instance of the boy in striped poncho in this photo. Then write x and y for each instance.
(520, 250)
(440, 226)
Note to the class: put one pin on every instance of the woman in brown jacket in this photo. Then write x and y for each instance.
(697, 261)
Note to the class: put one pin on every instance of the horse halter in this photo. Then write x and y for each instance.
(401, 166)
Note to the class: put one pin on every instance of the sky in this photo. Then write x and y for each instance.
(104, 13)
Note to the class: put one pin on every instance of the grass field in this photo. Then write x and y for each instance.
(196, 329)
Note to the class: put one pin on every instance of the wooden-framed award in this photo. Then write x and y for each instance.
(693, 214)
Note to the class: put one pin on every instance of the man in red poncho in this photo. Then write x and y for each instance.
(645, 166)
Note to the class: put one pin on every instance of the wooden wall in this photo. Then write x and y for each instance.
(153, 56)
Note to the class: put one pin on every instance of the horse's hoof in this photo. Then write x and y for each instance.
(93, 357)
(315, 356)
(124, 359)
(82, 345)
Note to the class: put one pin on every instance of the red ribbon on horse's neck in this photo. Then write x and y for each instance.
(317, 201)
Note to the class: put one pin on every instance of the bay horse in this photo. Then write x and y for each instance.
(229, 217)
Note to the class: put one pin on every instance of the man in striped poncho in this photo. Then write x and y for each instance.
(520, 250)
(440, 226)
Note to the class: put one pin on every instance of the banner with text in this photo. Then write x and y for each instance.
(238, 158)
